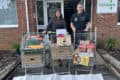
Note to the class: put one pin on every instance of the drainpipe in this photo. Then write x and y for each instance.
(84, 2)
(27, 16)
(91, 13)
(91, 25)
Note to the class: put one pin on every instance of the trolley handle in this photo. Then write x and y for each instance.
(51, 32)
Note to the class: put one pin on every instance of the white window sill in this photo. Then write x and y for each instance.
(118, 23)
(8, 26)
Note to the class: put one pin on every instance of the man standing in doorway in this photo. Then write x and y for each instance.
(80, 21)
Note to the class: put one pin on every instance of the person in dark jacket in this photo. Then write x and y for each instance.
(57, 22)
(80, 23)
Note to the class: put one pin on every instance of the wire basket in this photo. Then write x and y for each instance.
(33, 51)
(61, 52)
(85, 49)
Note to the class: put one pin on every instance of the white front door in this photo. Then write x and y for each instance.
(45, 10)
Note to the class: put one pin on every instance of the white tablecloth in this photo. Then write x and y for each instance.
(61, 77)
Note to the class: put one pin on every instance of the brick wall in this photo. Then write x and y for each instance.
(106, 25)
(10, 36)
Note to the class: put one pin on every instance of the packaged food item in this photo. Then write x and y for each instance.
(63, 40)
(60, 41)
(82, 48)
(82, 42)
(84, 60)
(37, 37)
(87, 42)
(40, 38)
(67, 40)
(75, 59)
(60, 35)
(36, 46)
(83, 45)
(90, 48)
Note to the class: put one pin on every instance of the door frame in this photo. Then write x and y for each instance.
(45, 12)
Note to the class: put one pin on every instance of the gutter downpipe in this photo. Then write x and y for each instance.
(91, 14)
(27, 17)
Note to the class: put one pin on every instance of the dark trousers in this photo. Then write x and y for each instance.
(79, 35)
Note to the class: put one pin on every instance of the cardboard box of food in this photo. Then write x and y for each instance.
(60, 52)
(31, 59)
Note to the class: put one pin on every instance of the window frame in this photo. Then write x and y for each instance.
(118, 22)
(45, 12)
(11, 25)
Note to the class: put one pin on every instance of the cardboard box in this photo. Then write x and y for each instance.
(60, 52)
(31, 59)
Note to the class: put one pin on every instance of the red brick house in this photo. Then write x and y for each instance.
(19, 16)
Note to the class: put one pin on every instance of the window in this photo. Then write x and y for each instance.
(51, 7)
(40, 13)
(8, 13)
(119, 11)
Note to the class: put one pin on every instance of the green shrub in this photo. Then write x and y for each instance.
(15, 46)
(111, 43)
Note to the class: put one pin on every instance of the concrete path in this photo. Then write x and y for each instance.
(100, 68)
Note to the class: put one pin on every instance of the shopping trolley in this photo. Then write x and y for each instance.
(84, 56)
(32, 51)
(61, 52)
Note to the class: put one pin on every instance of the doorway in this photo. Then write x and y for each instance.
(45, 10)
(70, 9)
